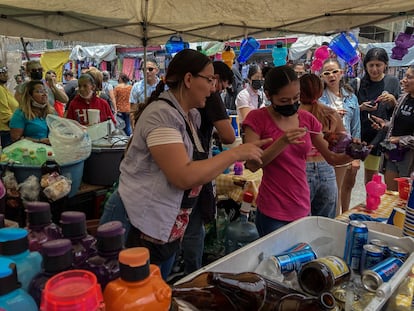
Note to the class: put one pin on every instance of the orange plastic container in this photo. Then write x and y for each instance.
(140, 286)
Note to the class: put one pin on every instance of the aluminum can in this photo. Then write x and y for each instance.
(380, 273)
(381, 244)
(297, 247)
(356, 238)
(371, 255)
(397, 252)
(294, 261)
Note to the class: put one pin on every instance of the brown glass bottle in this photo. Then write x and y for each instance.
(322, 274)
(245, 292)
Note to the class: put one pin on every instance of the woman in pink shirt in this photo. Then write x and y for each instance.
(284, 192)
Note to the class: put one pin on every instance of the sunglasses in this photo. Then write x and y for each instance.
(36, 70)
(333, 72)
(150, 69)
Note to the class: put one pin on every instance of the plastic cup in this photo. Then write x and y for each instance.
(94, 116)
(73, 290)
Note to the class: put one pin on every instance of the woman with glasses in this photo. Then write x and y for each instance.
(340, 96)
(284, 194)
(29, 120)
(8, 104)
(165, 165)
(377, 96)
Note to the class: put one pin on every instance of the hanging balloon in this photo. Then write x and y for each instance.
(403, 42)
(320, 55)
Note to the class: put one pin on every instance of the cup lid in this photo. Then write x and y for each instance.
(56, 247)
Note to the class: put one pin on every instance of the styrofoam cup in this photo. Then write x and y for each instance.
(93, 116)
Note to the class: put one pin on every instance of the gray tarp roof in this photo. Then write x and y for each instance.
(137, 22)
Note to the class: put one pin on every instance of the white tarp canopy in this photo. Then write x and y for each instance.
(152, 22)
(407, 60)
(99, 53)
(304, 43)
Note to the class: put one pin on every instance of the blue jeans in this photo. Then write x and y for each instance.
(125, 116)
(193, 242)
(323, 188)
(114, 210)
(266, 224)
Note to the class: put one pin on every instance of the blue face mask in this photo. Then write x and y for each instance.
(287, 110)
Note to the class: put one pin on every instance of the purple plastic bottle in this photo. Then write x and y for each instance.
(110, 241)
(40, 226)
(73, 226)
(57, 257)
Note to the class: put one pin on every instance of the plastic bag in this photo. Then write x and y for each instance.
(30, 189)
(69, 139)
(58, 187)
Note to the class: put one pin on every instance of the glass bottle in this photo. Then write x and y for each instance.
(241, 232)
(110, 242)
(323, 274)
(73, 226)
(140, 285)
(15, 246)
(246, 291)
(57, 257)
(12, 297)
(39, 224)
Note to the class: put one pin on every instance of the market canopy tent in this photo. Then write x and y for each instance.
(152, 22)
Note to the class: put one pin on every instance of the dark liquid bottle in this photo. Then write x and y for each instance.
(73, 226)
(40, 226)
(57, 257)
(246, 291)
(2, 224)
(110, 242)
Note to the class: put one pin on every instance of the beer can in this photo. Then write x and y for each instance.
(397, 252)
(297, 247)
(371, 255)
(380, 273)
(356, 238)
(381, 244)
(294, 261)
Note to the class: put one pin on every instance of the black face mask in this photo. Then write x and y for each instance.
(257, 84)
(287, 110)
(37, 75)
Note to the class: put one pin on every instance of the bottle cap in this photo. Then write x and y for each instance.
(13, 241)
(8, 276)
(134, 264)
(73, 290)
(38, 213)
(110, 236)
(73, 224)
(248, 197)
(57, 255)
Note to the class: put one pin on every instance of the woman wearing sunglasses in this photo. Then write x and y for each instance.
(339, 96)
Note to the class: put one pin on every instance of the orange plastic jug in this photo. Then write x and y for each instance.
(140, 286)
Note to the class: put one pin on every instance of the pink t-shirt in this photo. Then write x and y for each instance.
(284, 191)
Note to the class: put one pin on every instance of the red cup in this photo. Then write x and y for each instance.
(72, 290)
(403, 187)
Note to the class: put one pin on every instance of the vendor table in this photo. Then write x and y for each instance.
(232, 186)
(389, 201)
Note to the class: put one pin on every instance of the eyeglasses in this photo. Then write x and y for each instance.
(43, 91)
(210, 80)
(150, 69)
(36, 70)
(329, 72)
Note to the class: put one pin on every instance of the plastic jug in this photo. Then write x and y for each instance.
(248, 46)
(175, 44)
(140, 286)
(375, 189)
(57, 257)
(320, 55)
(403, 187)
(73, 226)
(403, 42)
(241, 232)
(235, 125)
(344, 48)
(15, 246)
(12, 297)
(39, 224)
(279, 54)
(228, 56)
(109, 243)
(73, 290)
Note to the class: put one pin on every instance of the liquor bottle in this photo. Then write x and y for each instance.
(57, 257)
(110, 242)
(246, 291)
(15, 246)
(73, 226)
(12, 297)
(241, 232)
(140, 285)
(39, 224)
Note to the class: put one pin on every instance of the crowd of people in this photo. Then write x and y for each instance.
(284, 112)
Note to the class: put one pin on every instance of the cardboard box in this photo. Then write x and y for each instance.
(325, 235)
